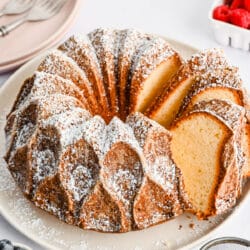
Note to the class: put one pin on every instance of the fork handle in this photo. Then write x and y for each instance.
(6, 29)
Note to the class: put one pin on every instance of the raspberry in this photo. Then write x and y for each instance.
(222, 13)
(246, 4)
(236, 4)
(240, 17)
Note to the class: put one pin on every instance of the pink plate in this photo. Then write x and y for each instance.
(31, 38)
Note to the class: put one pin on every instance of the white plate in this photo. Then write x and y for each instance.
(31, 38)
(48, 231)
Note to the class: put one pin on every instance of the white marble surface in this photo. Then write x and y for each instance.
(182, 20)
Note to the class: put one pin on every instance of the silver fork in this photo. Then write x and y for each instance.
(16, 7)
(42, 10)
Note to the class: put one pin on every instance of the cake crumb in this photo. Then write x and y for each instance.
(191, 225)
(180, 227)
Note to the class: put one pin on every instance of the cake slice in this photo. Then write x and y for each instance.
(103, 41)
(222, 90)
(210, 93)
(160, 185)
(197, 145)
(219, 137)
(80, 49)
(225, 85)
(151, 71)
(202, 68)
(233, 116)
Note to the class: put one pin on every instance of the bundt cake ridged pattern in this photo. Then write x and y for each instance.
(87, 138)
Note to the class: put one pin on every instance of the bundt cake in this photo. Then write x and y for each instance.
(116, 132)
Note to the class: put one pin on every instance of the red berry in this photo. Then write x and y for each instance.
(246, 4)
(236, 4)
(222, 13)
(240, 17)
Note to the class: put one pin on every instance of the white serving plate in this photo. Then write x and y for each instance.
(51, 233)
(228, 34)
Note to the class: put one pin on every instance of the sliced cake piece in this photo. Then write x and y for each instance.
(103, 41)
(57, 63)
(202, 68)
(233, 159)
(130, 45)
(80, 49)
(225, 85)
(160, 186)
(197, 145)
(222, 161)
(210, 93)
(151, 71)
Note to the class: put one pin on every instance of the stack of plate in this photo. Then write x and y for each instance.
(31, 38)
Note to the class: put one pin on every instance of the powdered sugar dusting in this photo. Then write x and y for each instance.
(117, 131)
(45, 165)
(80, 182)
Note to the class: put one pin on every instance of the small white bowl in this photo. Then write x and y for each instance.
(228, 34)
